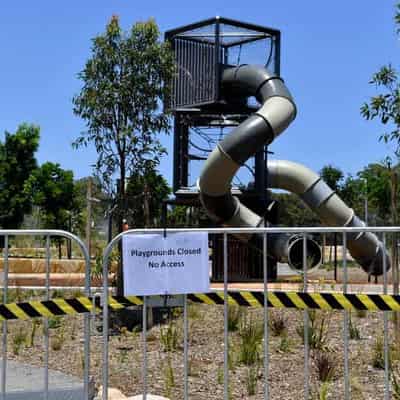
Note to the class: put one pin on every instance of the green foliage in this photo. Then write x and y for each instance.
(169, 378)
(277, 323)
(354, 332)
(234, 316)
(17, 161)
(35, 324)
(251, 333)
(285, 344)
(317, 332)
(325, 364)
(170, 337)
(395, 384)
(251, 379)
(385, 106)
(293, 212)
(125, 80)
(378, 355)
(19, 339)
(323, 391)
(52, 189)
(333, 177)
(54, 322)
(146, 192)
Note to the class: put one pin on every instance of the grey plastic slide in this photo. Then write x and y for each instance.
(277, 111)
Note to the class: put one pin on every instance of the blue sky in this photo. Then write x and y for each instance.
(329, 52)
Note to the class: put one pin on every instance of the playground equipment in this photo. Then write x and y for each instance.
(211, 90)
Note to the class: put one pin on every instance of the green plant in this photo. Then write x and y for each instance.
(57, 341)
(234, 316)
(378, 355)
(193, 311)
(35, 324)
(251, 379)
(169, 337)
(317, 331)
(323, 391)
(54, 322)
(285, 344)
(354, 332)
(325, 364)
(18, 340)
(169, 378)
(361, 313)
(220, 376)
(277, 323)
(394, 376)
(251, 333)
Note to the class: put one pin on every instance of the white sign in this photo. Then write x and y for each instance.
(176, 264)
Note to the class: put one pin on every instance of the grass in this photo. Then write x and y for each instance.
(285, 344)
(19, 339)
(251, 333)
(234, 317)
(325, 365)
(169, 378)
(277, 323)
(251, 380)
(170, 337)
(378, 355)
(354, 332)
(318, 328)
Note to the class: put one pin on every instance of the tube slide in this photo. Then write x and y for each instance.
(277, 111)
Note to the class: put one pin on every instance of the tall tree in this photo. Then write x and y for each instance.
(385, 106)
(333, 177)
(125, 81)
(17, 161)
(52, 189)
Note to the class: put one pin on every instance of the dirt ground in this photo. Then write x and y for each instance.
(165, 354)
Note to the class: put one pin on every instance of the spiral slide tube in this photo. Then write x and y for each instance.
(277, 111)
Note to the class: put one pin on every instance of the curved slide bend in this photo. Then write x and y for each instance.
(277, 111)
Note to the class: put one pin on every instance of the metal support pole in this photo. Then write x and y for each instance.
(266, 328)
(226, 339)
(306, 324)
(345, 324)
(5, 325)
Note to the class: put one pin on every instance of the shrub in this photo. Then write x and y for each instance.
(169, 337)
(325, 364)
(54, 322)
(169, 378)
(234, 317)
(354, 332)
(251, 333)
(378, 355)
(251, 379)
(285, 345)
(277, 323)
(18, 340)
(317, 331)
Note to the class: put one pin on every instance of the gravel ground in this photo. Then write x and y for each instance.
(165, 377)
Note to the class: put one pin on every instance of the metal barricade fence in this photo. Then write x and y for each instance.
(265, 233)
(47, 235)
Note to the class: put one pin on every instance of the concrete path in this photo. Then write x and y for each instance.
(26, 382)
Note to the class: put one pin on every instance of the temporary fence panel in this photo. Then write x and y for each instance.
(44, 308)
(303, 299)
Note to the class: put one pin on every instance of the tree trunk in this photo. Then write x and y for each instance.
(146, 206)
(121, 215)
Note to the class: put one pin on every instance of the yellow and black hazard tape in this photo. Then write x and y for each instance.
(275, 299)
